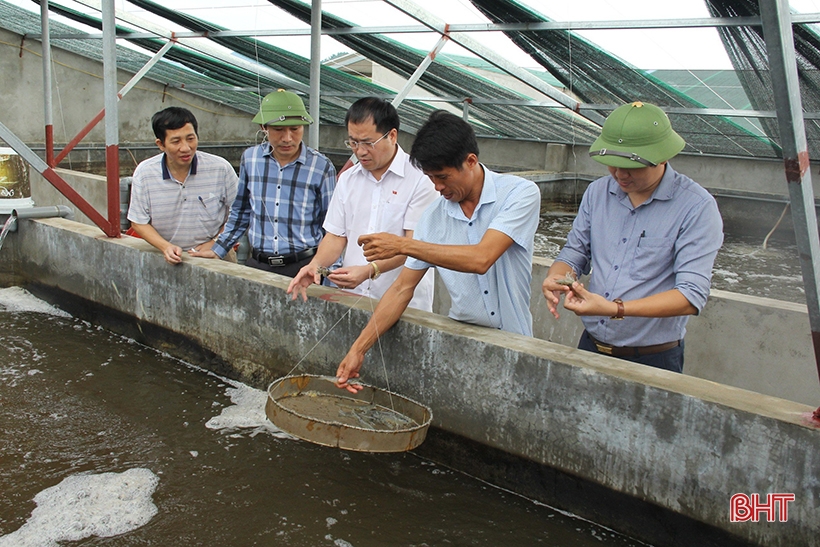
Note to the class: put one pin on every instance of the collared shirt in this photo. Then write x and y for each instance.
(282, 207)
(363, 205)
(500, 298)
(185, 213)
(668, 242)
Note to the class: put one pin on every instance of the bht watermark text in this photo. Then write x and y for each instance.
(743, 508)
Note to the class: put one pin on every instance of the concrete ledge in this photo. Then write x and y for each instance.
(679, 443)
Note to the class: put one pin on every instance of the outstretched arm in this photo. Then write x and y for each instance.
(386, 314)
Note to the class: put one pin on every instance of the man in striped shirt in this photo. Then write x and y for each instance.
(284, 192)
(180, 198)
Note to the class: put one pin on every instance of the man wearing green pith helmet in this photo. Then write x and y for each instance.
(284, 192)
(649, 236)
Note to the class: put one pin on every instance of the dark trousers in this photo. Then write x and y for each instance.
(288, 270)
(671, 359)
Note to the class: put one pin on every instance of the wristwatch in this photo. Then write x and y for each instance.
(620, 314)
(376, 271)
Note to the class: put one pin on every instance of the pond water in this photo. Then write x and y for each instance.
(108, 442)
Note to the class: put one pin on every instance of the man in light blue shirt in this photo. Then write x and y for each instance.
(479, 236)
(648, 234)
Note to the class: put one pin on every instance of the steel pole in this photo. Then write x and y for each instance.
(112, 149)
(48, 116)
(315, 70)
(777, 31)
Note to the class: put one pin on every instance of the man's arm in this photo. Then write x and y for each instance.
(172, 253)
(387, 313)
(461, 258)
(669, 303)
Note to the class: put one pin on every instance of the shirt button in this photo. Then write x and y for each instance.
(602, 321)
(277, 204)
(279, 186)
(606, 294)
(469, 224)
(615, 268)
(624, 240)
(632, 212)
(492, 313)
(486, 292)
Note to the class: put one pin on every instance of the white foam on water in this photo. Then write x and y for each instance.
(82, 506)
(247, 412)
(16, 299)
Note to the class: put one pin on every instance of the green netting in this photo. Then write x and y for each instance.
(21, 21)
(333, 109)
(522, 122)
(747, 50)
(598, 77)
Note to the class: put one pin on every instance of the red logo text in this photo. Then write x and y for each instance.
(743, 508)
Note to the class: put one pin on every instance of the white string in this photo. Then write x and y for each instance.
(378, 342)
(325, 336)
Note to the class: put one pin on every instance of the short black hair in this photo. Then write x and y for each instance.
(445, 140)
(383, 113)
(173, 117)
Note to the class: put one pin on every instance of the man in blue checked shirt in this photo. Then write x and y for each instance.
(648, 234)
(284, 192)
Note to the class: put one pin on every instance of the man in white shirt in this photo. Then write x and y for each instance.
(384, 192)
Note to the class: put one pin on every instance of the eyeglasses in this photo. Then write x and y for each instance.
(353, 145)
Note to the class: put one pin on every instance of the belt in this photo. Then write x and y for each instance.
(282, 260)
(634, 351)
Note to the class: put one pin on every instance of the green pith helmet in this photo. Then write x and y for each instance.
(636, 135)
(282, 108)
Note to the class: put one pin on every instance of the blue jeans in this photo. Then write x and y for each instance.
(671, 359)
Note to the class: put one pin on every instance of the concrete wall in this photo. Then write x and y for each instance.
(759, 344)
(679, 444)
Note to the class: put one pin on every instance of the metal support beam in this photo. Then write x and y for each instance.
(112, 119)
(419, 72)
(48, 115)
(202, 46)
(545, 26)
(101, 114)
(315, 70)
(50, 175)
(490, 56)
(777, 32)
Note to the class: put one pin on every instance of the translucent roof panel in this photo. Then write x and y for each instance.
(689, 71)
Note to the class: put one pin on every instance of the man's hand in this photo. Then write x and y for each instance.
(173, 254)
(553, 290)
(306, 277)
(582, 302)
(348, 369)
(204, 250)
(381, 246)
(351, 277)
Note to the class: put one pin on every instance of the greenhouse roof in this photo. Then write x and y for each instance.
(574, 69)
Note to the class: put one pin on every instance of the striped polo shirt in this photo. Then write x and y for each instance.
(185, 213)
